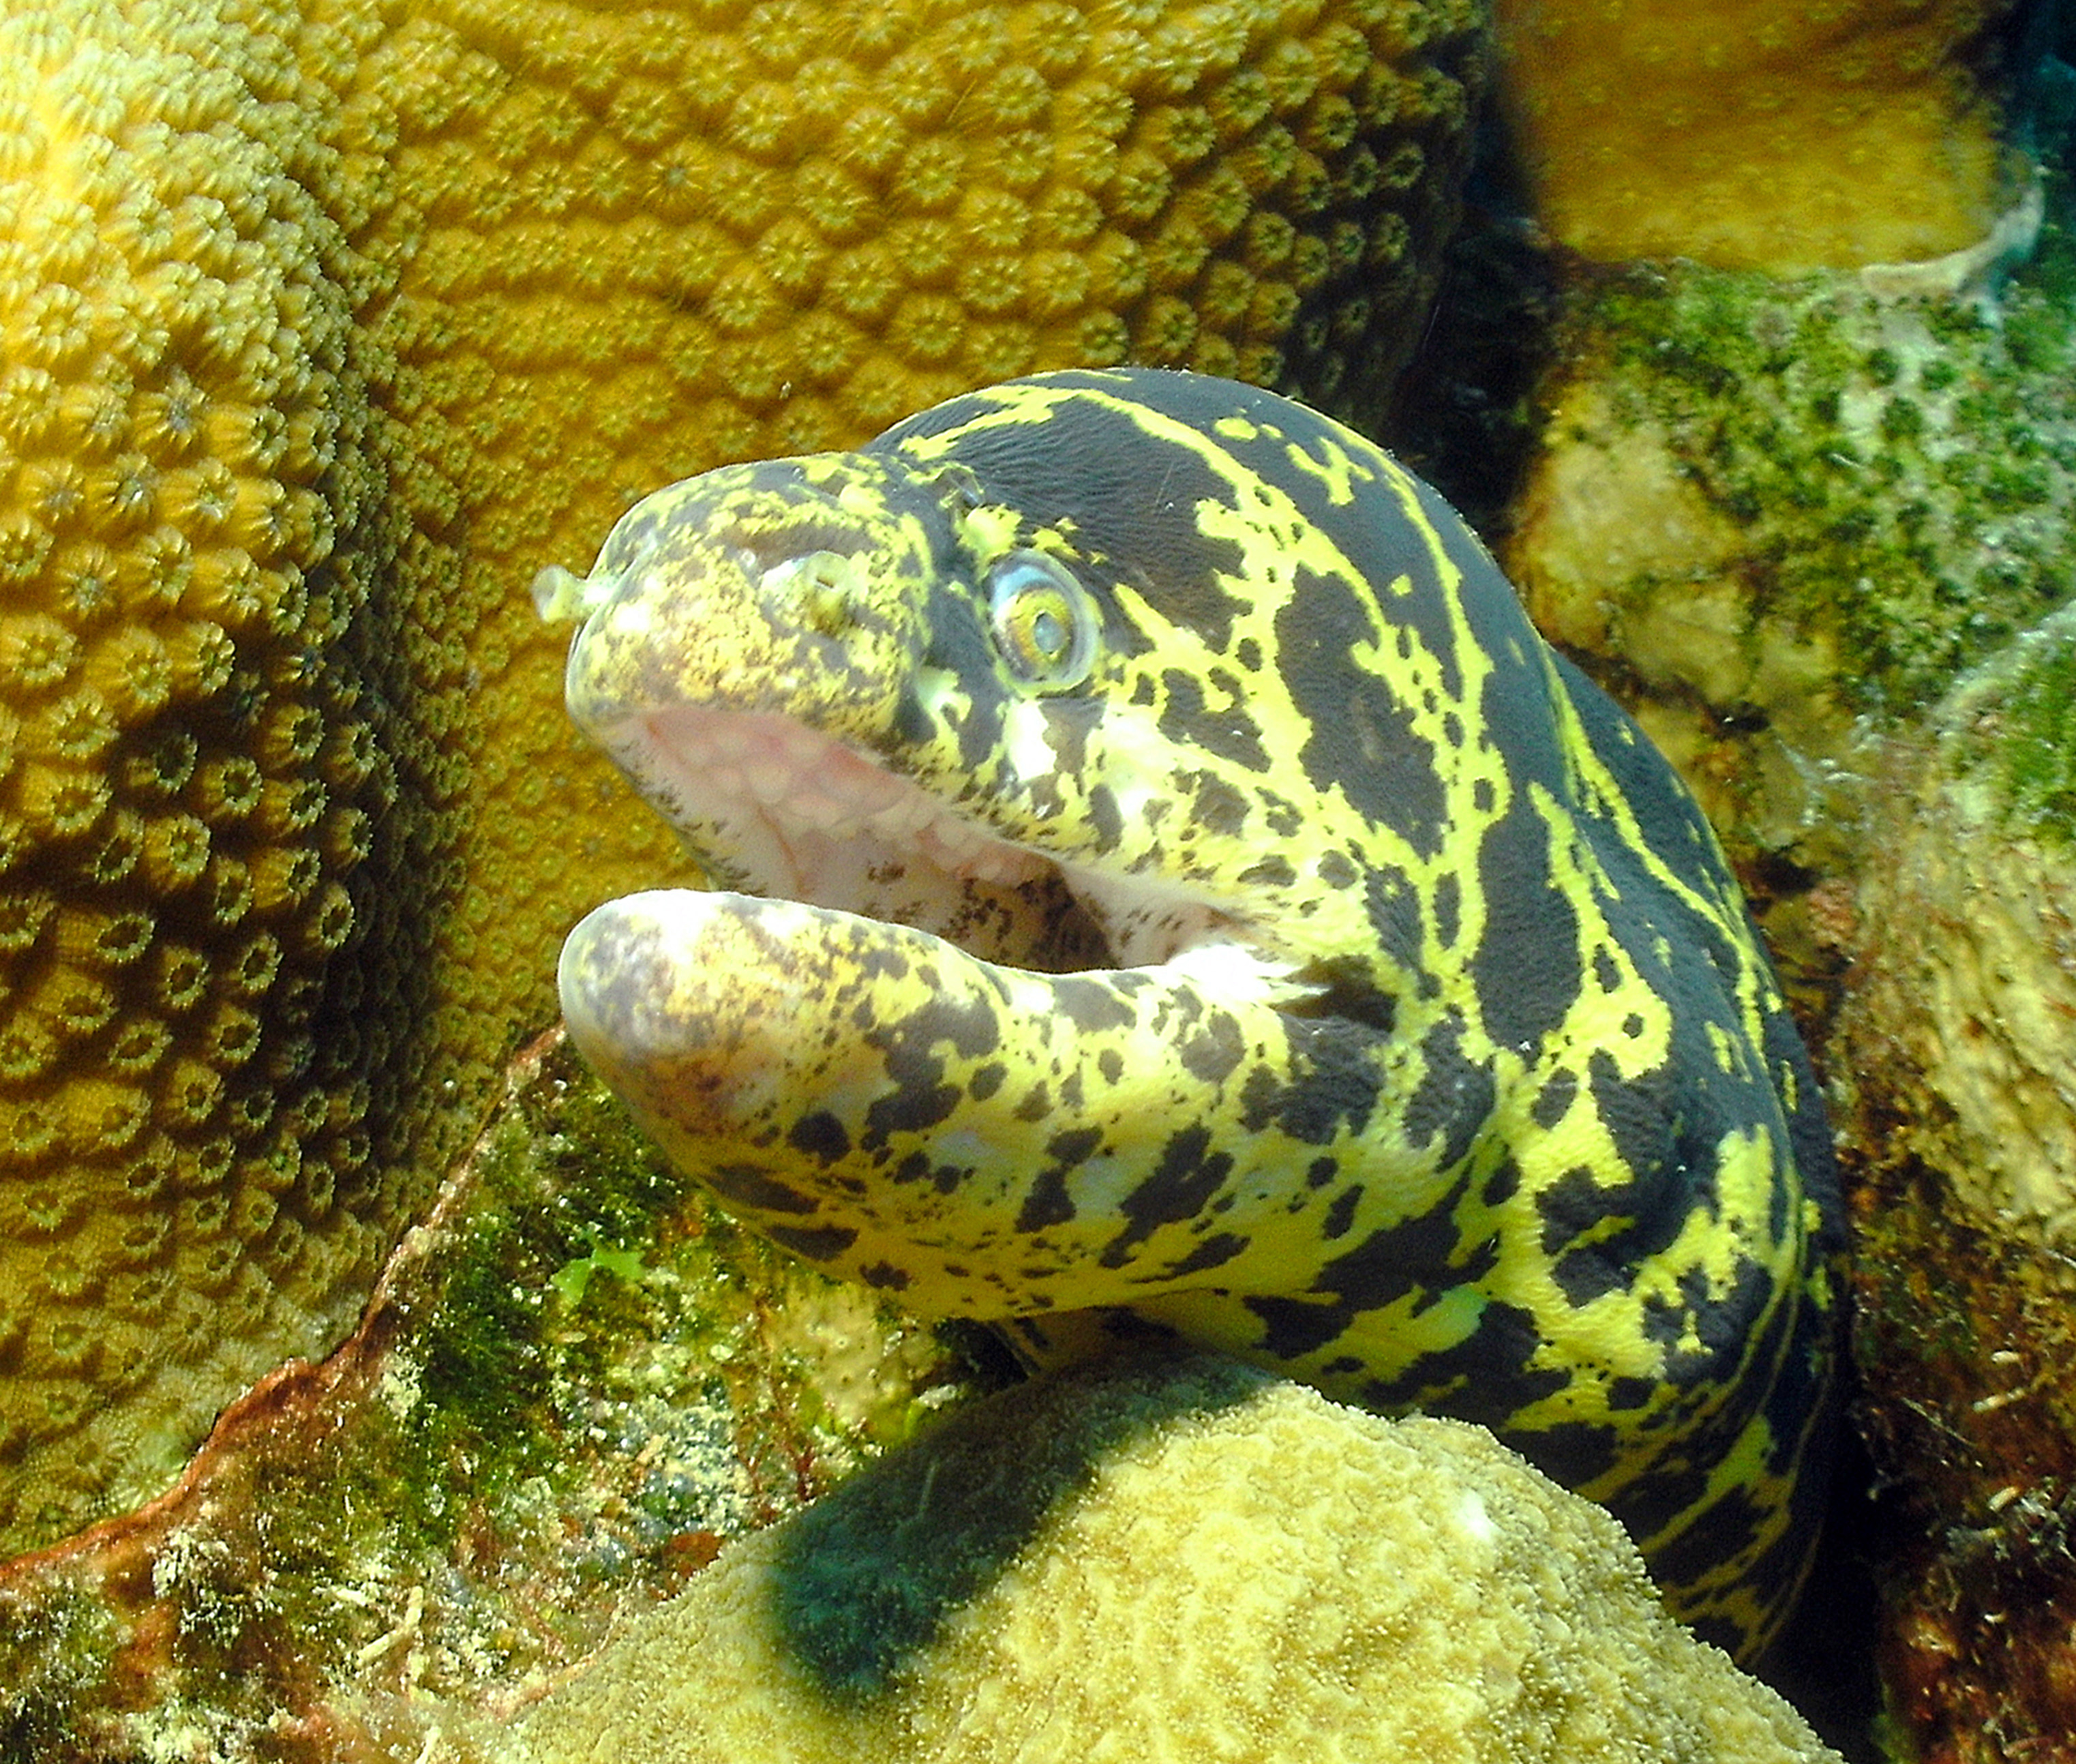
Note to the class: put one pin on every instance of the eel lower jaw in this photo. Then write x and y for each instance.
(773, 807)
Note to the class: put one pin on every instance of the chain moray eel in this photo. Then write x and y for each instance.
(1181, 893)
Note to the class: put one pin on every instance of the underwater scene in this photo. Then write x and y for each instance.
(1088, 879)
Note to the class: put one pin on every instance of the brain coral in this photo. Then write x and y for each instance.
(1782, 134)
(1190, 1561)
(323, 326)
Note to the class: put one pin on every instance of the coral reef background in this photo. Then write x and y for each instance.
(580, 1388)
(321, 326)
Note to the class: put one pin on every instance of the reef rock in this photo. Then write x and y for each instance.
(1781, 518)
(1956, 1060)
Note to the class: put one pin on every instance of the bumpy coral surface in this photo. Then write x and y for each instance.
(1786, 134)
(1180, 1561)
(322, 327)
(223, 814)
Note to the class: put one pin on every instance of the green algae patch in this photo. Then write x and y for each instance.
(55, 1653)
(578, 1381)
(2038, 757)
(1785, 520)
(1901, 473)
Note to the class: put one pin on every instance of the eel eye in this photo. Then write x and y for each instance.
(1044, 621)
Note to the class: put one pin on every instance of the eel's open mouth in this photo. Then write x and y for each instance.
(771, 807)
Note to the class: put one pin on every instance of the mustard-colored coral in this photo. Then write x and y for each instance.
(1186, 1561)
(1779, 134)
(218, 835)
(323, 326)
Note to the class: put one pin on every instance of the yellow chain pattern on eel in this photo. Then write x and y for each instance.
(1215, 913)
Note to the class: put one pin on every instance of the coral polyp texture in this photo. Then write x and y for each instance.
(219, 832)
(1187, 1561)
(323, 327)
(1781, 134)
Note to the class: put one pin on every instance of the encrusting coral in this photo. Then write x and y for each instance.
(1180, 1559)
(1971, 922)
(1782, 134)
(322, 328)
(1955, 1047)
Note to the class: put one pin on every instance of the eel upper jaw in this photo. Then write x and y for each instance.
(772, 807)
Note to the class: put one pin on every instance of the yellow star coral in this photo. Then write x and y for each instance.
(214, 890)
(1779, 134)
(323, 326)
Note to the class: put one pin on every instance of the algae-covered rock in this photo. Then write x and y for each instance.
(1780, 519)
(1959, 1035)
(1956, 1060)
(1168, 1560)
(574, 1384)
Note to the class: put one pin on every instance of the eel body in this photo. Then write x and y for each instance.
(1166, 887)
